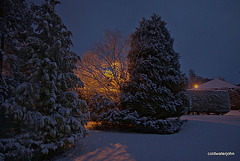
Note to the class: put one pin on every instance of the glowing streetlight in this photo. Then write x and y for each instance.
(196, 86)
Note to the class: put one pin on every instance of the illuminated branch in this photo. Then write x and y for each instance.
(103, 69)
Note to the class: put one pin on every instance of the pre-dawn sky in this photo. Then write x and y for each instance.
(206, 32)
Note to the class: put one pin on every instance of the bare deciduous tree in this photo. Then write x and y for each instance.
(104, 68)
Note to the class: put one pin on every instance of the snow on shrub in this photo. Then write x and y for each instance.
(234, 98)
(100, 106)
(124, 120)
(209, 101)
(152, 125)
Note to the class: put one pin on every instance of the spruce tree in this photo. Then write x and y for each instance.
(15, 19)
(45, 104)
(156, 86)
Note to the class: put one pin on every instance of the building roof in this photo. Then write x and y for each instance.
(216, 84)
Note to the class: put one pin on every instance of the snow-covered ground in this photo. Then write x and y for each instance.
(200, 135)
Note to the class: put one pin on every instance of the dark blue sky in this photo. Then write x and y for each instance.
(206, 32)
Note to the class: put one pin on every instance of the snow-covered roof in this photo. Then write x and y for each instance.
(216, 84)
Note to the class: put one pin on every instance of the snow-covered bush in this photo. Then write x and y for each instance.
(124, 120)
(209, 101)
(234, 98)
(99, 107)
(44, 106)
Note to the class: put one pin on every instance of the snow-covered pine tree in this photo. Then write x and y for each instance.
(15, 18)
(45, 105)
(156, 86)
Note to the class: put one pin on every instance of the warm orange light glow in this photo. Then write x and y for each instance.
(92, 125)
(109, 152)
(196, 86)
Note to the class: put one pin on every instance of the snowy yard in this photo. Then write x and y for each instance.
(200, 135)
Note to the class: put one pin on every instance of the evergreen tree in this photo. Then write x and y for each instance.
(15, 19)
(156, 86)
(45, 104)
